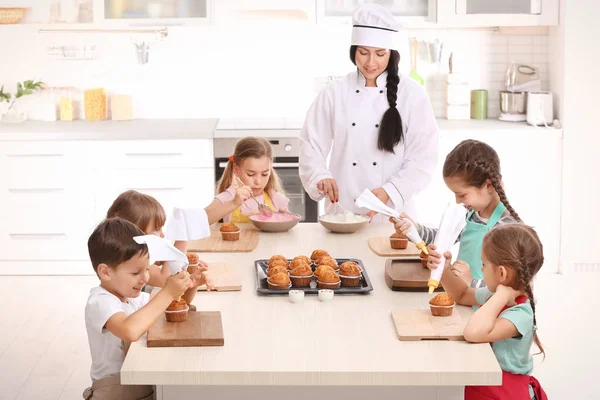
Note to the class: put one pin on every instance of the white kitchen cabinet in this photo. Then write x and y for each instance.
(153, 12)
(473, 13)
(531, 170)
(182, 187)
(46, 201)
(412, 13)
(450, 13)
(53, 193)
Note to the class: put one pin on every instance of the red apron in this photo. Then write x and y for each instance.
(514, 387)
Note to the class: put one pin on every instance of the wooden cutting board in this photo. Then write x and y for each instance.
(407, 274)
(202, 328)
(381, 246)
(247, 242)
(226, 277)
(413, 325)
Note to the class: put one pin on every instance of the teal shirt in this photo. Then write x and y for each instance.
(513, 354)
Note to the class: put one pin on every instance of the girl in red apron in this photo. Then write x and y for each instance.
(472, 172)
(512, 254)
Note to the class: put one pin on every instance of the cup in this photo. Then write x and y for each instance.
(479, 104)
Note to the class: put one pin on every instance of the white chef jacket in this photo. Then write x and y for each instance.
(347, 114)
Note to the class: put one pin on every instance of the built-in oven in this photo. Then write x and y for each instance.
(286, 151)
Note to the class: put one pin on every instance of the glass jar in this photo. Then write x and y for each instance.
(95, 104)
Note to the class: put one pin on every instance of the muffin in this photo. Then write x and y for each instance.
(295, 263)
(177, 311)
(303, 258)
(277, 259)
(423, 258)
(230, 232)
(398, 241)
(329, 262)
(193, 263)
(328, 279)
(279, 281)
(301, 275)
(318, 254)
(276, 269)
(322, 268)
(441, 305)
(350, 274)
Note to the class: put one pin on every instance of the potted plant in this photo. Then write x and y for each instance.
(23, 89)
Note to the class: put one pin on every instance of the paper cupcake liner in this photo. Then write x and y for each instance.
(177, 315)
(350, 281)
(231, 236)
(274, 286)
(441, 311)
(326, 285)
(301, 281)
(398, 244)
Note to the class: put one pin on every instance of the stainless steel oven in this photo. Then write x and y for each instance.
(286, 151)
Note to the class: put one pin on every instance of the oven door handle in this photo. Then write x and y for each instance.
(275, 165)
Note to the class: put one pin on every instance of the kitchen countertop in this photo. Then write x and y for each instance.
(349, 341)
(110, 130)
(215, 128)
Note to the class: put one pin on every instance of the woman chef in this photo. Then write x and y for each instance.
(378, 125)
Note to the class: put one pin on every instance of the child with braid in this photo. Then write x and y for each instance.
(512, 256)
(472, 172)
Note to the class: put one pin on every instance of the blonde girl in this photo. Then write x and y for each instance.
(249, 171)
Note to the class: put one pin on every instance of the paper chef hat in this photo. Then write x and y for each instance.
(374, 26)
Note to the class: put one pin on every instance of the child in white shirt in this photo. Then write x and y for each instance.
(118, 311)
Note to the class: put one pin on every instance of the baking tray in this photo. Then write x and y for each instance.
(260, 277)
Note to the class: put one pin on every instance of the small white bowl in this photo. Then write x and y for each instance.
(296, 296)
(325, 294)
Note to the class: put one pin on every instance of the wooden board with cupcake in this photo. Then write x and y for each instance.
(279, 275)
(229, 238)
(438, 322)
(397, 245)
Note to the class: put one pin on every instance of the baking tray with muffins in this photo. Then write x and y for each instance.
(279, 275)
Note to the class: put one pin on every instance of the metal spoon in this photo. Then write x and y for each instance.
(262, 208)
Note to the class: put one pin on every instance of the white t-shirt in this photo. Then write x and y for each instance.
(106, 348)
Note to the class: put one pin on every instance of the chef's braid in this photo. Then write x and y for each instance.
(518, 247)
(477, 162)
(390, 129)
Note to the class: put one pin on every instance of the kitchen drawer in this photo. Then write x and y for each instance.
(43, 165)
(181, 187)
(45, 224)
(158, 153)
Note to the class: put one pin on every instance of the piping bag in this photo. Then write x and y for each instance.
(160, 249)
(452, 224)
(368, 200)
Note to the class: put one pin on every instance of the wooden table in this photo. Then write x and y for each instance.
(344, 348)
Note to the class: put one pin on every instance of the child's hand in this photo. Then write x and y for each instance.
(242, 194)
(463, 271)
(201, 278)
(177, 284)
(402, 225)
(507, 293)
(434, 259)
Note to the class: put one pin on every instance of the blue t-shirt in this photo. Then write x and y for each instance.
(513, 354)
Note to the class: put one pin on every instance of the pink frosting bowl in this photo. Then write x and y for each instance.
(279, 222)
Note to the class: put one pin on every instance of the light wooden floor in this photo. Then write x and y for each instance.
(44, 352)
(43, 344)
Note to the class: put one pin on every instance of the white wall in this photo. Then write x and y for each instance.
(581, 145)
(247, 71)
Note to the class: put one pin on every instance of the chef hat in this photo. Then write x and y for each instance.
(374, 26)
